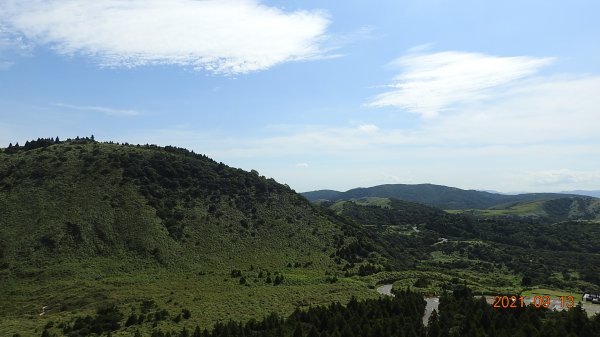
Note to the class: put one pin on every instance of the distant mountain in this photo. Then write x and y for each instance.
(595, 194)
(435, 195)
(322, 195)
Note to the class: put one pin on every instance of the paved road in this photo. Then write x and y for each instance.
(385, 289)
(432, 304)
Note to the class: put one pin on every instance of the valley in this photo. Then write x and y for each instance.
(184, 241)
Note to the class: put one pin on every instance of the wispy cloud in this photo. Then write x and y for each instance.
(564, 177)
(368, 128)
(430, 83)
(220, 36)
(5, 65)
(104, 110)
(302, 165)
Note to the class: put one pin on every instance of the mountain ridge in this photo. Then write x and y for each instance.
(435, 195)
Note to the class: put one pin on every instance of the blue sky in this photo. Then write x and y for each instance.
(501, 95)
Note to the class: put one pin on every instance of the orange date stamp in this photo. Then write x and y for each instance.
(539, 301)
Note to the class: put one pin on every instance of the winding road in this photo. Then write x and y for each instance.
(442, 240)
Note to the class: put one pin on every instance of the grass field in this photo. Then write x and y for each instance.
(533, 208)
(210, 298)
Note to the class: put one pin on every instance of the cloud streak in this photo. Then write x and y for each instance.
(431, 83)
(104, 110)
(218, 36)
(5, 65)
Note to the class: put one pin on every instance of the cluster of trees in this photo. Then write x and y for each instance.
(276, 279)
(461, 314)
(44, 142)
(173, 178)
(106, 320)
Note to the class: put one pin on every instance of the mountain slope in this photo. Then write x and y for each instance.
(97, 199)
(436, 195)
(84, 224)
(553, 210)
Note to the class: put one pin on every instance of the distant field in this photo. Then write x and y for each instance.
(552, 293)
(534, 208)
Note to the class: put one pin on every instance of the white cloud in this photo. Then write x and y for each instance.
(435, 82)
(104, 110)
(564, 177)
(302, 165)
(543, 110)
(368, 128)
(220, 36)
(5, 65)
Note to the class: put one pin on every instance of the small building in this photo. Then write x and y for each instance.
(594, 298)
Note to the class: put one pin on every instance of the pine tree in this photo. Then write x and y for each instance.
(131, 320)
(298, 331)
(313, 332)
(197, 332)
(433, 326)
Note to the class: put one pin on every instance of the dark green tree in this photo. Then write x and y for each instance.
(298, 331)
(313, 332)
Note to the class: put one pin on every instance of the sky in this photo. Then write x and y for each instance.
(488, 95)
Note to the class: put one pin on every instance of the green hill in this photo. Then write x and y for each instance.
(84, 224)
(436, 195)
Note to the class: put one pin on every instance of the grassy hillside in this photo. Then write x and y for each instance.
(436, 195)
(553, 210)
(85, 224)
